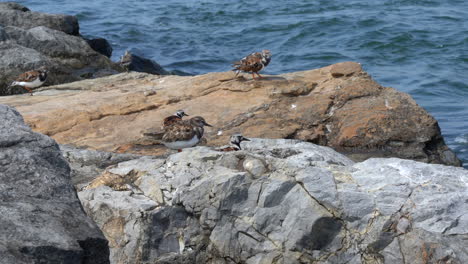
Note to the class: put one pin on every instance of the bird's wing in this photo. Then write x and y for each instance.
(180, 131)
(28, 76)
(171, 120)
(253, 62)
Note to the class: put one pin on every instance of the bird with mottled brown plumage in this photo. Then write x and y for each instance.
(170, 120)
(31, 79)
(185, 133)
(253, 63)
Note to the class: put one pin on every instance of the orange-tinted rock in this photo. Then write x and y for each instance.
(346, 68)
(353, 114)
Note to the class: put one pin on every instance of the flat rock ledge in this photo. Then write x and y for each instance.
(339, 106)
(280, 201)
(41, 218)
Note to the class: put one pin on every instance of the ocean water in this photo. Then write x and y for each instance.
(416, 46)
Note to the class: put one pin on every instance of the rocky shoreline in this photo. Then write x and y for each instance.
(29, 40)
(276, 201)
(339, 170)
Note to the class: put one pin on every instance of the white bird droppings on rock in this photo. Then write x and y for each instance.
(254, 166)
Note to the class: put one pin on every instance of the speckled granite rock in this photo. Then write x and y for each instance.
(41, 218)
(280, 201)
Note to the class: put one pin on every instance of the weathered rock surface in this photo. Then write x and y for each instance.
(100, 45)
(353, 114)
(132, 62)
(280, 201)
(85, 164)
(41, 218)
(19, 16)
(31, 39)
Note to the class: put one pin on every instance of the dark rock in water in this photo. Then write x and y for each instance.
(32, 39)
(136, 63)
(13, 6)
(41, 218)
(13, 14)
(101, 45)
(68, 58)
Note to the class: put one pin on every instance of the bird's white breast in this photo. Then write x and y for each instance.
(182, 144)
(36, 83)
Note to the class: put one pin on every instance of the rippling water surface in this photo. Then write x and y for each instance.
(419, 47)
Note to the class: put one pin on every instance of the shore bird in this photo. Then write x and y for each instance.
(234, 142)
(31, 79)
(185, 133)
(253, 63)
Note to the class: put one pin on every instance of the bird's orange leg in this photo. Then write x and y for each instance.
(253, 76)
(261, 77)
(29, 90)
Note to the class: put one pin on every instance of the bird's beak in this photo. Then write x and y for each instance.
(206, 124)
(245, 139)
(185, 114)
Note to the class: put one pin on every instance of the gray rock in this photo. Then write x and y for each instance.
(3, 34)
(41, 218)
(132, 62)
(29, 40)
(100, 45)
(88, 164)
(13, 6)
(68, 58)
(310, 204)
(16, 15)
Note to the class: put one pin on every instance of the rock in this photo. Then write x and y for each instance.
(100, 45)
(3, 34)
(313, 205)
(132, 62)
(13, 6)
(354, 115)
(347, 68)
(88, 164)
(42, 219)
(31, 40)
(16, 15)
(255, 167)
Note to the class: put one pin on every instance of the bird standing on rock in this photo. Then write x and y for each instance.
(184, 133)
(31, 79)
(235, 141)
(253, 63)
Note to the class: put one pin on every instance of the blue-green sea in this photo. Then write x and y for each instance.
(416, 46)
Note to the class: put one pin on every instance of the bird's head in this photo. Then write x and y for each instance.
(236, 139)
(199, 121)
(266, 54)
(180, 113)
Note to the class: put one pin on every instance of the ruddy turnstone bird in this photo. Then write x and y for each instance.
(170, 120)
(185, 133)
(31, 79)
(253, 63)
(235, 143)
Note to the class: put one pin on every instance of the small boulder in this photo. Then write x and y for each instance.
(136, 63)
(346, 68)
(101, 45)
(13, 14)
